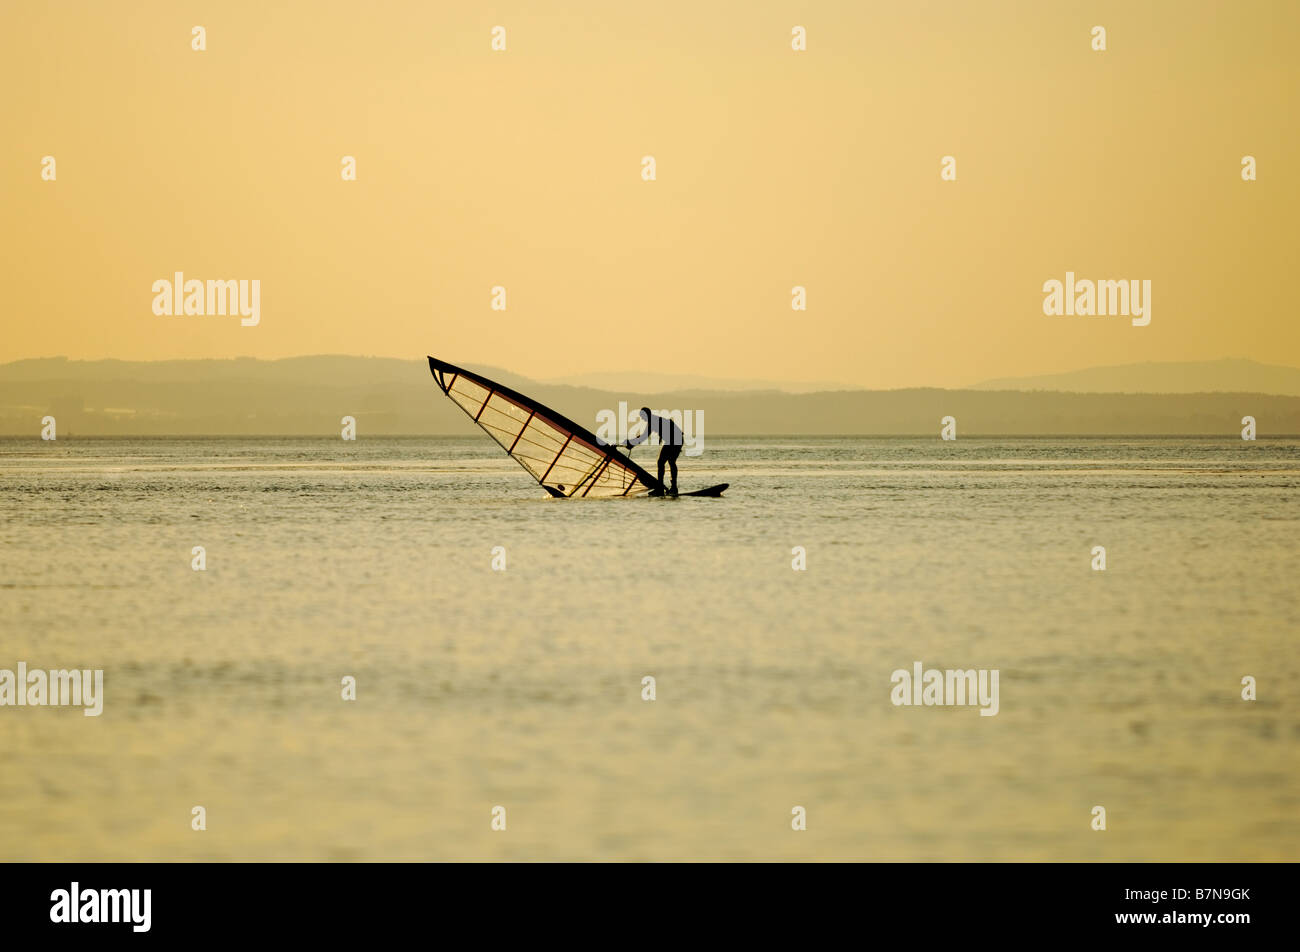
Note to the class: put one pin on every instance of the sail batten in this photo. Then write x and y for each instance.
(561, 455)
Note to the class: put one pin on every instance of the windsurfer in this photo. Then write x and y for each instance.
(670, 434)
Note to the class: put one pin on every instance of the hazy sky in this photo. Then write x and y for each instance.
(775, 168)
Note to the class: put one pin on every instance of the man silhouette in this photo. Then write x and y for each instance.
(670, 434)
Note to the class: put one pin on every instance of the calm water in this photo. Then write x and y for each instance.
(522, 688)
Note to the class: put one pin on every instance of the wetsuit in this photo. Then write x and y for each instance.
(673, 439)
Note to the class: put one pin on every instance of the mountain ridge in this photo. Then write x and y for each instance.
(391, 396)
(1226, 375)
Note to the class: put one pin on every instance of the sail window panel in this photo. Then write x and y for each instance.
(468, 394)
(573, 466)
(538, 445)
(614, 480)
(502, 419)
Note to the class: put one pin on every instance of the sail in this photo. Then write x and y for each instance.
(565, 458)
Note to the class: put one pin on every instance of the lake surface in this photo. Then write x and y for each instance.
(523, 688)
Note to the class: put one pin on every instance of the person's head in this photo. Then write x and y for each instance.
(645, 414)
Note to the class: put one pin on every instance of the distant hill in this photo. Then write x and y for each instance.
(1209, 376)
(309, 395)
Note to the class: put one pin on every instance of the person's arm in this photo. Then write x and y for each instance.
(645, 435)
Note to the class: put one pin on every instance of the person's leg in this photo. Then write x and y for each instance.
(673, 452)
(663, 456)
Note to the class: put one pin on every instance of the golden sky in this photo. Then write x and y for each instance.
(775, 168)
